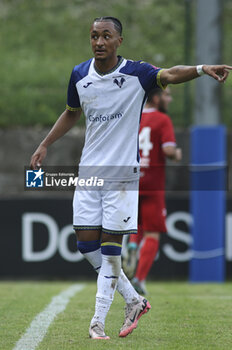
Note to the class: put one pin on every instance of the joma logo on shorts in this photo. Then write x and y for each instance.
(125, 220)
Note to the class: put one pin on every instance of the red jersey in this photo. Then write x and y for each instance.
(156, 131)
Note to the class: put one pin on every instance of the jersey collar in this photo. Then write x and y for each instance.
(120, 59)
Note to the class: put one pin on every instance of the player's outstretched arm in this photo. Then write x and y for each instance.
(181, 74)
(65, 122)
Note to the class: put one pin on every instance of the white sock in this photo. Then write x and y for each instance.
(94, 258)
(124, 287)
(106, 286)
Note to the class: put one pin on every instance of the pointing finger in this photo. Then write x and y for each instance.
(227, 67)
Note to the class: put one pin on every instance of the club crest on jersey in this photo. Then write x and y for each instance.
(119, 82)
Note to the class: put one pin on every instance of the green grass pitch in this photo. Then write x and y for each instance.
(183, 316)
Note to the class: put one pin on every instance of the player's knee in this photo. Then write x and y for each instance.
(88, 235)
(115, 238)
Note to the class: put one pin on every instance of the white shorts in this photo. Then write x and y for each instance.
(115, 212)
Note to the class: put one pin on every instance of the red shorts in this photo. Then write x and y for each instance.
(152, 213)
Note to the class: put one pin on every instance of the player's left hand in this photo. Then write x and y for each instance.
(218, 72)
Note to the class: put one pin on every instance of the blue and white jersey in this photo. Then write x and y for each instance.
(112, 104)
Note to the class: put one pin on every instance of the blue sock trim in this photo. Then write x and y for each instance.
(111, 248)
(88, 246)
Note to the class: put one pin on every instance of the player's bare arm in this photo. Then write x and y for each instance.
(173, 153)
(65, 122)
(181, 74)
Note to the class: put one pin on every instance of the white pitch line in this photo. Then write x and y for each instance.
(39, 326)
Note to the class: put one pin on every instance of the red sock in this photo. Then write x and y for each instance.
(147, 255)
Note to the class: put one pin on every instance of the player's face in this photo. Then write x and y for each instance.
(165, 99)
(104, 40)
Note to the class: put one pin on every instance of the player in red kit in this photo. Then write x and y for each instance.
(156, 142)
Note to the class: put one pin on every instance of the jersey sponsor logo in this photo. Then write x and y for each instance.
(87, 84)
(119, 81)
(105, 117)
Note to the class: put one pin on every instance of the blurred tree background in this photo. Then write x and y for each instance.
(41, 41)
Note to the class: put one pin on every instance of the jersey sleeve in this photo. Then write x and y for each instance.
(73, 101)
(150, 76)
(167, 133)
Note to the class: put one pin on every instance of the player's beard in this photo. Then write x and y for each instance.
(162, 108)
(101, 59)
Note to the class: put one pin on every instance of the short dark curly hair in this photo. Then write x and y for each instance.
(117, 23)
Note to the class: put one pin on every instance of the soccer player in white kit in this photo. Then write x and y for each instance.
(111, 91)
